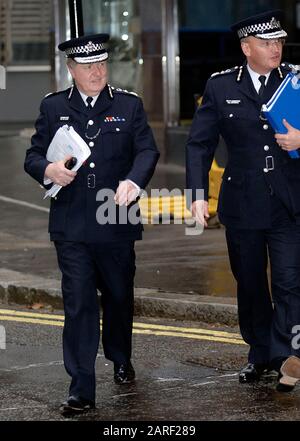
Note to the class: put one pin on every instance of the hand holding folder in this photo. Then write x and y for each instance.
(285, 105)
(66, 142)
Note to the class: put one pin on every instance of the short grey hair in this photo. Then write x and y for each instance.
(70, 62)
(244, 40)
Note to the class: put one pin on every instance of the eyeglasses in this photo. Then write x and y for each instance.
(267, 44)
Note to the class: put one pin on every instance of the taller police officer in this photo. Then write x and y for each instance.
(92, 255)
(259, 200)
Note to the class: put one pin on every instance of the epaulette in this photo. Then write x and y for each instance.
(122, 91)
(290, 66)
(223, 72)
(53, 93)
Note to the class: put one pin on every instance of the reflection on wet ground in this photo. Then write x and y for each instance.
(176, 379)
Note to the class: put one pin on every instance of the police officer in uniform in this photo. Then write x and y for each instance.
(259, 200)
(93, 254)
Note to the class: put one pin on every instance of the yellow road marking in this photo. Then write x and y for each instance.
(30, 320)
(138, 328)
(190, 330)
(136, 325)
(30, 314)
(190, 336)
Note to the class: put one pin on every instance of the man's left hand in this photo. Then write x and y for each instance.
(126, 193)
(291, 140)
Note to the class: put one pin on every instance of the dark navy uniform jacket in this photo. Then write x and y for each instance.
(256, 166)
(122, 147)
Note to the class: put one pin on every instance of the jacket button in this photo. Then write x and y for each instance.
(117, 129)
(265, 126)
(92, 165)
(229, 178)
(91, 122)
(266, 170)
(91, 144)
(231, 115)
(266, 148)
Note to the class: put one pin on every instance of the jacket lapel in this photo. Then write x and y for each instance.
(246, 86)
(76, 102)
(103, 102)
(272, 85)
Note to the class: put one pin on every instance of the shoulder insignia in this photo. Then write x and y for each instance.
(223, 72)
(122, 91)
(55, 93)
(290, 66)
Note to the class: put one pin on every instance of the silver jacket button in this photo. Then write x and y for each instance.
(91, 122)
(91, 144)
(92, 165)
(266, 170)
(265, 126)
(266, 148)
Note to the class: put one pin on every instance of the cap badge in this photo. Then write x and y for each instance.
(89, 47)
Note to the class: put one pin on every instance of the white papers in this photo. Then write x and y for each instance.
(66, 142)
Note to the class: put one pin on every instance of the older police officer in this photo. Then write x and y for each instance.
(92, 255)
(259, 201)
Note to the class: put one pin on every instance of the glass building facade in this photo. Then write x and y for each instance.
(162, 49)
(120, 19)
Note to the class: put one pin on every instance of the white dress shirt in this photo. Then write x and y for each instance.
(84, 97)
(255, 78)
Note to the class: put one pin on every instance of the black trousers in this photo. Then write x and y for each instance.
(86, 268)
(267, 319)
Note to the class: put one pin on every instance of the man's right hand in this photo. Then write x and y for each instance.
(200, 212)
(59, 174)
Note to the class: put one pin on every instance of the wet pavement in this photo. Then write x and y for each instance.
(179, 377)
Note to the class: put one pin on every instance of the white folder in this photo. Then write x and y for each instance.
(66, 142)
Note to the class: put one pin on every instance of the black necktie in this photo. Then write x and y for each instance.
(89, 101)
(262, 79)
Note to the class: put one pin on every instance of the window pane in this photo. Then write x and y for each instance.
(26, 25)
(120, 19)
(219, 15)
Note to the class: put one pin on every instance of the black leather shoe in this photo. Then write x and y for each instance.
(124, 373)
(252, 372)
(76, 405)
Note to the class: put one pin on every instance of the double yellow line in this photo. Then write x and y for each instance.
(138, 328)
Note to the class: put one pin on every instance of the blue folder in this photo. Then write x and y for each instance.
(284, 104)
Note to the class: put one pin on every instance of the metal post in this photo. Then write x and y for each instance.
(76, 18)
(170, 62)
(61, 34)
(68, 18)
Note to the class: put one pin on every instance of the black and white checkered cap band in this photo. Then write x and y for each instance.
(86, 49)
(92, 59)
(261, 28)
